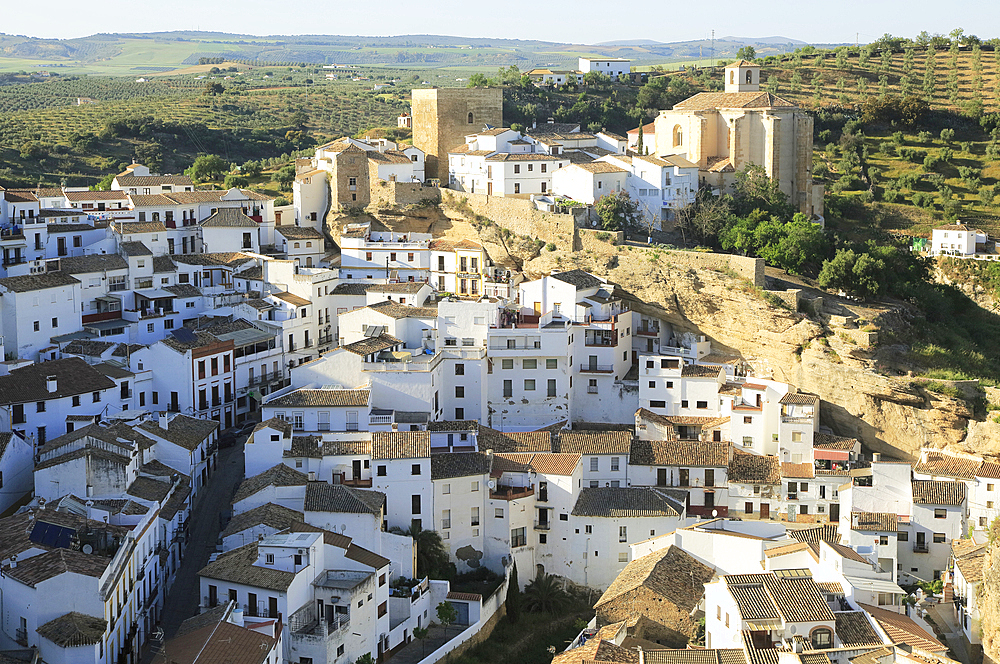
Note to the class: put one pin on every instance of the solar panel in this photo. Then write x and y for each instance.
(51, 535)
(184, 335)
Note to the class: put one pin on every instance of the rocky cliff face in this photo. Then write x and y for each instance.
(988, 599)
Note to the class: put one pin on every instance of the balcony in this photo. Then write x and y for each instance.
(21, 636)
(591, 389)
(380, 419)
(511, 492)
(655, 332)
(305, 623)
(535, 345)
(601, 342)
(597, 368)
(543, 525)
(921, 547)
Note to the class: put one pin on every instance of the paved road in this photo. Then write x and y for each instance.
(203, 532)
(947, 621)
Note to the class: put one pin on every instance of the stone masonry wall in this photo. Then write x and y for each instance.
(745, 266)
(519, 215)
(441, 120)
(388, 194)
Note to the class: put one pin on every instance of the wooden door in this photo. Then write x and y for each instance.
(538, 308)
(765, 511)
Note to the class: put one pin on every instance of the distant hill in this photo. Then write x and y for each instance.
(137, 53)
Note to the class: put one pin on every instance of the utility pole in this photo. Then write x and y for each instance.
(713, 49)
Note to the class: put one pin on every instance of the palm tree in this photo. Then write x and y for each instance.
(432, 556)
(545, 595)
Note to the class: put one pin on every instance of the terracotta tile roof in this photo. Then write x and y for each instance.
(220, 641)
(33, 282)
(786, 549)
(74, 196)
(754, 469)
(277, 424)
(595, 442)
(880, 522)
(824, 533)
(601, 167)
(274, 516)
(830, 587)
(324, 497)
(797, 470)
(939, 464)
(182, 430)
(48, 565)
(799, 399)
(579, 278)
(953, 227)
(459, 464)
(401, 444)
(700, 371)
(221, 258)
(767, 596)
(396, 310)
(545, 463)
(304, 446)
(826, 441)
(464, 597)
(989, 469)
(74, 629)
(670, 573)
(404, 287)
(365, 557)
(133, 227)
(92, 263)
(373, 345)
(126, 179)
(278, 475)
(931, 492)
(597, 649)
(299, 233)
(147, 488)
(849, 553)
(694, 656)
(623, 502)
(679, 453)
(87, 347)
(324, 397)
(971, 566)
(134, 249)
(514, 441)
(73, 376)
(229, 218)
(239, 566)
(902, 629)
(347, 447)
(704, 101)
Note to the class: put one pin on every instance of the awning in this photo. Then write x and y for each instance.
(831, 455)
(107, 324)
(155, 294)
(109, 298)
(874, 585)
(760, 625)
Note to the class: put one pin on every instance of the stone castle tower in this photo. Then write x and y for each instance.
(443, 117)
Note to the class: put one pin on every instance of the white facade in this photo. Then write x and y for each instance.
(616, 68)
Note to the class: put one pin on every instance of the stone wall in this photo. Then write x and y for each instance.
(598, 240)
(389, 194)
(747, 267)
(790, 297)
(518, 215)
(441, 121)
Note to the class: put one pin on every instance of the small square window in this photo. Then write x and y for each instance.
(380, 471)
(498, 513)
(551, 363)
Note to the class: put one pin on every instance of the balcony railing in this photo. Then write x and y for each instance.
(380, 419)
(601, 342)
(511, 492)
(591, 389)
(21, 636)
(648, 333)
(543, 525)
(921, 547)
(597, 368)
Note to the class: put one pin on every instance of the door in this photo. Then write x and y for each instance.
(272, 607)
(252, 605)
(462, 609)
(834, 512)
(538, 308)
(661, 477)
(356, 469)
(709, 501)
(592, 359)
(709, 477)
(685, 477)
(543, 517)
(765, 511)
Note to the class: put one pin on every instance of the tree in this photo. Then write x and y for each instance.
(207, 167)
(236, 181)
(755, 190)
(617, 211)
(365, 659)
(447, 614)
(284, 177)
(597, 79)
(513, 602)
(478, 80)
(213, 88)
(638, 147)
(432, 555)
(545, 595)
(748, 53)
(104, 184)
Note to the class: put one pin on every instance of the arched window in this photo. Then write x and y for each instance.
(678, 136)
(821, 637)
(732, 76)
(470, 118)
(749, 76)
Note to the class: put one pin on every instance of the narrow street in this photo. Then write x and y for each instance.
(203, 532)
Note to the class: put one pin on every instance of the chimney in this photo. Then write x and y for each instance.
(164, 421)
(876, 457)
(13, 562)
(50, 384)
(312, 476)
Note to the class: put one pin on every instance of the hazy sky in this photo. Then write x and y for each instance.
(576, 21)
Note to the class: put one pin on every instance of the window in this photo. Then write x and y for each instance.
(747, 441)
(446, 488)
(940, 514)
(475, 486)
(551, 387)
(517, 168)
(939, 538)
(268, 558)
(684, 403)
(415, 469)
(380, 471)
(622, 533)
(902, 536)
(821, 637)
(989, 504)
(76, 401)
(55, 322)
(796, 436)
(529, 364)
(459, 369)
(459, 413)
(507, 364)
(475, 516)
(747, 419)
(529, 385)
(614, 463)
(593, 464)
(470, 122)
(415, 504)
(459, 391)
(498, 513)
(543, 538)
(551, 363)
(96, 396)
(508, 388)
(701, 404)
(564, 517)
(657, 404)
(517, 187)
(588, 530)
(989, 487)
(518, 537)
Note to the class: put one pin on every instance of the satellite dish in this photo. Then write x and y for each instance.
(343, 527)
(492, 484)
(715, 513)
(88, 549)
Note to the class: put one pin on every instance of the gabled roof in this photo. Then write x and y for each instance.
(277, 475)
(274, 516)
(671, 573)
(239, 566)
(826, 441)
(754, 469)
(769, 596)
(323, 397)
(595, 442)
(74, 629)
(547, 464)
(373, 345)
(679, 453)
(32, 282)
(396, 310)
(92, 263)
(854, 629)
(36, 569)
(620, 502)
(933, 492)
(941, 464)
(826, 532)
(183, 430)
(229, 218)
(578, 278)
(514, 441)
(324, 497)
(134, 249)
(401, 444)
(220, 641)
(73, 377)
(880, 522)
(902, 629)
(459, 464)
(299, 233)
